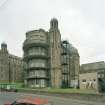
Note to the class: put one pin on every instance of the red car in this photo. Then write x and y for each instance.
(28, 101)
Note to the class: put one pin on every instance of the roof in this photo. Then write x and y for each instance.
(15, 57)
(54, 19)
(69, 47)
(35, 101)
(35, 31)
(95, 66)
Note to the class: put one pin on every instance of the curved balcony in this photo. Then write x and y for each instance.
(29, 57)
(37, 68)
(64, 53)
(65, 71)
(32, 43)
(64, 63)
(37, 77)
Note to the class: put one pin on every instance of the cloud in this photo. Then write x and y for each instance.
(82, 22)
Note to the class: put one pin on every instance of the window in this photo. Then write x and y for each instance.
(48, 104)
(15, 103)
(37, 63)
(42, 83)
(37, 81)
(2, 76)
(83, 80)
(94, 80)
(37, 51)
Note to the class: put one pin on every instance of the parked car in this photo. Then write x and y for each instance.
(8, 87)
(30, 101)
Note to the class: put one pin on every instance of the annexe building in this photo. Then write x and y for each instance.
(92, 76)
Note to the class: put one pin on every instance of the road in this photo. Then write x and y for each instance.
(10, 97)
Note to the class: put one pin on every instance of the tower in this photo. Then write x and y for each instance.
(4, 48)
(36, 58)
(55, 53)
(4, 63)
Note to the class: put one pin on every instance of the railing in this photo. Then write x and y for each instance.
(28, 57)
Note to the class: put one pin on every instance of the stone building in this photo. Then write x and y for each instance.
(37, 58)
(43, 54)
(70, 65)
(11, 67)
(92, 76)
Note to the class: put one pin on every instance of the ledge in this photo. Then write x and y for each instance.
(36, 77)
(37, 68)
(30, 44)
(28, 57)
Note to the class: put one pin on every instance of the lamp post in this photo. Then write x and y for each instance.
(9, 72)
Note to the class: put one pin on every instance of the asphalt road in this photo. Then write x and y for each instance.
(10, 97)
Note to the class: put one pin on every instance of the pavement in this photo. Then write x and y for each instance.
(11, 96)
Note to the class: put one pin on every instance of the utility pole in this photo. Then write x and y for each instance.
(9, 71)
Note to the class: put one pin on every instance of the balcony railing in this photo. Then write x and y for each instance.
(28, 57)
(37, 77)
(37, 68)
(64, 63)
(32, 43)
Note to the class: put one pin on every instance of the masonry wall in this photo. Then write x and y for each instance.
(11, 67)
(16, 69)
(55, 54)
(4, 67)
(88, 81)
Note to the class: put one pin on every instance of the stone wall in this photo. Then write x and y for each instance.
(11, 67)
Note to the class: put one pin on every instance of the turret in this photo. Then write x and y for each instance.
(54, 24)
(4, 47)
(55, 54)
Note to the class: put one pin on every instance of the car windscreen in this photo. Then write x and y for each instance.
(15, 103)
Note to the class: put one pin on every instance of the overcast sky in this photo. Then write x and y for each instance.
(81, 22)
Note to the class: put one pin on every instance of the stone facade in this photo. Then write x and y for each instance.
(43, 54)
(36, 57)
(11, 67)
(92, 76)
(88, 81)
(4, 64)
(70, 65)
(55, 53)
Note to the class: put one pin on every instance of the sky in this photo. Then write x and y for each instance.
(81, 22)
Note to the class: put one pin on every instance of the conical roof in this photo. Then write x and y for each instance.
(73, 50)
(70, 47)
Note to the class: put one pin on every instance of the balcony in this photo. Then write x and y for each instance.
(37, 77)
(65, 72)
(64, 63)
(29, 57)
(37, 68)
(32, 43)
(64, 53)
